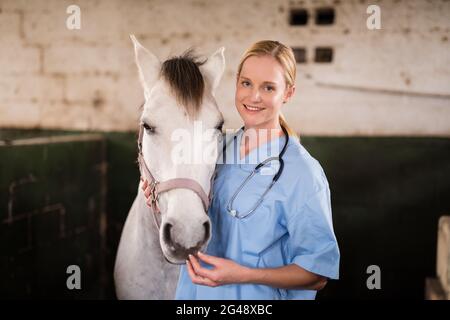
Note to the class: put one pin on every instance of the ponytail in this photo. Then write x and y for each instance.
(290, 131)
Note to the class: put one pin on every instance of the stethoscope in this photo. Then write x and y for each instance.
(275, 178)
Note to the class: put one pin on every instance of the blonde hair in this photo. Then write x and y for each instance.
(285, 57)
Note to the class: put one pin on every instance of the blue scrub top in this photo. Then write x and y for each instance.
(293, 224)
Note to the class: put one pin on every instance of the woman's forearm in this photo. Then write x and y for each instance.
(287, 277)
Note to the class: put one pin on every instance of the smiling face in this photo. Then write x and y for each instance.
(261, 90)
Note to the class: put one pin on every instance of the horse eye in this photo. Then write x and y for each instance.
(148, 128)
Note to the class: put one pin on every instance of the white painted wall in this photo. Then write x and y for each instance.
(393, 81)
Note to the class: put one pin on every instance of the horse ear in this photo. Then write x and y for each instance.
(213, 69)
(148, 66)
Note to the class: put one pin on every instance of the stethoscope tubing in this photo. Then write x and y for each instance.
(233, 212)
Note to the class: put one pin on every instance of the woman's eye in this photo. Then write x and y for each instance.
(245, 83)
(270, 89)
(148, 128)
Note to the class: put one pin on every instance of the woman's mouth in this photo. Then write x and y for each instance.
(253, 108)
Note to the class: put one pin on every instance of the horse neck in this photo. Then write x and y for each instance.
(146, 227)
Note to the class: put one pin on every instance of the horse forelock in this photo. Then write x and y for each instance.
(182, 74)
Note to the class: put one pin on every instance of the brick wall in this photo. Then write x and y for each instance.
(393, 81)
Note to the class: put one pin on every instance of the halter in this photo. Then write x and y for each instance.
(156, 187)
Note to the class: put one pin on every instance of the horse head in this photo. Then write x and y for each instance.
(181, 132)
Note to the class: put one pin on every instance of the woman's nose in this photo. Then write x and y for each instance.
(255, 96)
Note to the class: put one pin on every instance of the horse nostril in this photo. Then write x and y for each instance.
(207, 227)
(166, 233)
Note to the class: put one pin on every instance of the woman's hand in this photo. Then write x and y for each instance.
(225, 271)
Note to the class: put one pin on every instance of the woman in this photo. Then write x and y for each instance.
(285, 248)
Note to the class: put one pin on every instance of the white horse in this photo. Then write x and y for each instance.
(179, 94)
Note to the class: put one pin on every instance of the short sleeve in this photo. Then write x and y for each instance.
(312, 244)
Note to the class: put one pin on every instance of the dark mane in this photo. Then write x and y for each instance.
(183, 75)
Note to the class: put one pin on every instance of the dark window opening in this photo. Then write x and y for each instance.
(298, 17)
(300, 55)
(323, 55)
(324, 16)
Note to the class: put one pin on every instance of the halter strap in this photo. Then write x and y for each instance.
(156, 187)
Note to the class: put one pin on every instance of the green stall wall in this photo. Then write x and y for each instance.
(387, 196)
(52, 204)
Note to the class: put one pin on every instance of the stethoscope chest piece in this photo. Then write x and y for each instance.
(232, 212)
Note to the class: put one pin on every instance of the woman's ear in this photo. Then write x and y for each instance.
(289, 93)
